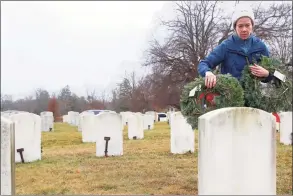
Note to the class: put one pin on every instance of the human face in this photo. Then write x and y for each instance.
(244, 27)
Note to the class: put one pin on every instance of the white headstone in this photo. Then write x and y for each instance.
(182, 135)
(7, 157)
(109, 127)
(88, 127)
(278, 126)
(125, 116)
(122, 124)
(135, 126)
(8, 113)
(47, 121)
(81, 117)
(153, 114)
(237, 152)
(168, 116)
(286, 128)
(73, 118)
(65, 118)
(27, 136)
(148, 122)
(171, 116)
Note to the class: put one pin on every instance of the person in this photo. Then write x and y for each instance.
(238, 50)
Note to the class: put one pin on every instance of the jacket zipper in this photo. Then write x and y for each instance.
(237, 52)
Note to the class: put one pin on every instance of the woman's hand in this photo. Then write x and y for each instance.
(259, 71)
(210, 79)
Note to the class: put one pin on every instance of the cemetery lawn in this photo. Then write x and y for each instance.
(69, 166)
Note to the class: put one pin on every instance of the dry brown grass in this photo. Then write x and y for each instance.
(70, 167)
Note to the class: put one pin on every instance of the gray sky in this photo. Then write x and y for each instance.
(87, 45)
(83, 44)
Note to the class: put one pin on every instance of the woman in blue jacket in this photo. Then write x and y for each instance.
(237, 51)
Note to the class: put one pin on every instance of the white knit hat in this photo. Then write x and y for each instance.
(242, 11)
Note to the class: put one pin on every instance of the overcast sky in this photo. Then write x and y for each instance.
(87, 45)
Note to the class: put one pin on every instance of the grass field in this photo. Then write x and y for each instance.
(69, 166)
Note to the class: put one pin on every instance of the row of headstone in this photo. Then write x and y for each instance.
(27, 126)
(148, 118)
(47, 120)
(137, 123)
(27, 135)
(105, 130)
(88, 125)
(283, 122)
(237, 146)
(127, 115)
(92, 112)
(153, 114)
(72, 118)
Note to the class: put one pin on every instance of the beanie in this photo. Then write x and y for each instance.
(242, 11)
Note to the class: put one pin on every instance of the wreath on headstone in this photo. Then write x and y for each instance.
(273, 96)
(197, 100)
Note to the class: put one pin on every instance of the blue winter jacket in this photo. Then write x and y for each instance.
(232, 53)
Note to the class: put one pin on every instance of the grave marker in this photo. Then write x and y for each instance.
(108, 135)
(237, 152)
(286, 128)
(148, 122)
(182, 135)
(135, 126)
(7, 157)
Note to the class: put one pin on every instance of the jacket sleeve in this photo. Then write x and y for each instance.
(271, 76)
(266, 51)
(212, 60)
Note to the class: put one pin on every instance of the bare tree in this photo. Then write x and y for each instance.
(274, 21)
(281, 47)
(93, 102)
(104, 98)
(7, 103)
(193, 33)
(91, 96)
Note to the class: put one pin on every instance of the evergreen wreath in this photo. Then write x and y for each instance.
(227, 93)
(274, 96)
